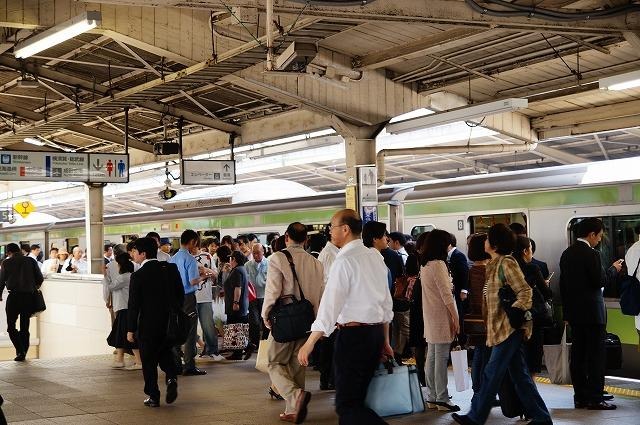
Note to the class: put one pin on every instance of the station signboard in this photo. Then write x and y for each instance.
(214, 172)
(64, 166)
(368, 193)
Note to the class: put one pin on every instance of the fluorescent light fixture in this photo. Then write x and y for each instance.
(57, 34)
(621, 82)
(459, 114)
(33, 141)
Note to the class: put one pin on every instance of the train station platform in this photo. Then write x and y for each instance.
(86, 391)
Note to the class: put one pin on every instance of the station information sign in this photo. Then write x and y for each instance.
(208, 172)
(368, 193)
(64, 166)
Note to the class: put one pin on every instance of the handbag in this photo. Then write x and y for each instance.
(394, 390)
(507, 297)
(541, 309)
(403, 293)
(236, 336)
(38, 303)
(251, 291)
(613, 352)
(630, 294)
(290, 318)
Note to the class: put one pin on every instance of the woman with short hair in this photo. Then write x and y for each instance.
(236, 296)
(505, 334)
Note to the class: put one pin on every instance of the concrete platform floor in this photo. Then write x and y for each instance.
(86, 391)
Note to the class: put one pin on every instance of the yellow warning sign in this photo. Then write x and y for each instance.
(24, 208)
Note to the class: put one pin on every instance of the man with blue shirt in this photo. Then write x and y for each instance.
(191, 278)
(257, 272)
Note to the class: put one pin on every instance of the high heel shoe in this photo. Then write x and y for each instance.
(274, 395)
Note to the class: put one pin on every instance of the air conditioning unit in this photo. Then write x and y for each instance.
(296, 57)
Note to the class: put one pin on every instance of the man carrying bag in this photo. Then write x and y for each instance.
(295, 279)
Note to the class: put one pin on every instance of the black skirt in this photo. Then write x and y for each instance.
(118, 336)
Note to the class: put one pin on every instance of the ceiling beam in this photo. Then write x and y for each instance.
(338, 178)
(109, 137)
(427, 45)
(591, 127)
(558, 155)
(601, 146)
(586, 115)
(416, 11)
(290, 98)
(214, 123)
(633, 38)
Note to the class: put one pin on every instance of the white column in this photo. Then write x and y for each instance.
(94, 221)
(358, 152)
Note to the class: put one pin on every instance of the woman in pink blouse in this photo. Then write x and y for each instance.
(440, 314)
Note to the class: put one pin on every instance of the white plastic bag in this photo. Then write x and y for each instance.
(219, 317)
(460, 369)
(556, 358)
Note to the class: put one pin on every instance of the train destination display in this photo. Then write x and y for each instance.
(64, 166)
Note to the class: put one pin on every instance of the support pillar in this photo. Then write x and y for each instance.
(358, 152)
(94, 221)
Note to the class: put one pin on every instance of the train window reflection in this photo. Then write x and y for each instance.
(418, 230)
(482, 223)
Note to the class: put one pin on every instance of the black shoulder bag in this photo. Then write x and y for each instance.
(291, 319)
(178, 323)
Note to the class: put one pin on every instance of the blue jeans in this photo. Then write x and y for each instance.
(210, 335)
(508, 356)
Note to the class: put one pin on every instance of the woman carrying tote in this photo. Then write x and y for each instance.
(440, 314)
(507, 355)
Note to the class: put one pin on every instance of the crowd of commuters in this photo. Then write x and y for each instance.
(373, 294)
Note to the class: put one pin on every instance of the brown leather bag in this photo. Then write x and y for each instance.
(403, 292)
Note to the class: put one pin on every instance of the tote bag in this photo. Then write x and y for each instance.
(262, 361)
(236, 336)
(556, 358)
(394, 390)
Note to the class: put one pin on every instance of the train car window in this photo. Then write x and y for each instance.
(70, 243)
(482, 223)
(211, 234)
(129, 238)
(619, 235)
(418, 230)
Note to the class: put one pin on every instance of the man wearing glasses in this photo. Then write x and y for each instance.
(357, 302)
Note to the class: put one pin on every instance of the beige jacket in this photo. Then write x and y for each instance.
(438, 304)
(280, 278)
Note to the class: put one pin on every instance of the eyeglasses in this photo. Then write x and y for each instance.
(332, 226)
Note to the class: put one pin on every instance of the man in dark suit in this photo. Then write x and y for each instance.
(459, 268)
(583, 307)
(21, 275)
(155, 289)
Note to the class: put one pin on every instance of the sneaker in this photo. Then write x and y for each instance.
(216, 357)
(117, 365)
(135, 366)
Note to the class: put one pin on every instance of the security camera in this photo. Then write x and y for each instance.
(167, 193)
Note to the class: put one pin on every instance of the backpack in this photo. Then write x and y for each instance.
(630, 294)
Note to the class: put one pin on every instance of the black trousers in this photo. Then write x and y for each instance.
(587, 362)
(19, 304)
(325, 360)
(190, 307)
(154, 354)
(256, 327)
(356, 357)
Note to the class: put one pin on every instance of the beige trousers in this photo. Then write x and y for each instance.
(399, 331)
(285, 371)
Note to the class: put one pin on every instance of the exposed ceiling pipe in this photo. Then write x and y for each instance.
(269, 29)
(447, 150)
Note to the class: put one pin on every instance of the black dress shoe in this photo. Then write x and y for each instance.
(607, 397)
(20, 357)
(194, 372)
(462, 419)
(151, 402)
(540, 423)
(172, 390)
(580, 404)
(248, 351)
(603, 405)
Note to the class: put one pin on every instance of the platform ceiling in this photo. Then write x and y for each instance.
(204, 61)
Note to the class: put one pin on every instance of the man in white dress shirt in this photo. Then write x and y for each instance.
(357, 301)
(632, 259)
